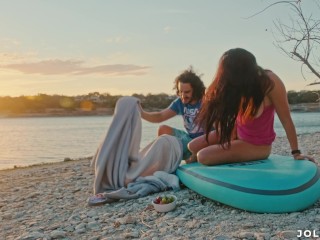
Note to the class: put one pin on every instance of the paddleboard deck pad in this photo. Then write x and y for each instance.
(277, 184)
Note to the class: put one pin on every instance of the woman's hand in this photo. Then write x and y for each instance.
(303, 157)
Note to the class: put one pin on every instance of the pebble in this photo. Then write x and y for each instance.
(56, 234)
(49, 202)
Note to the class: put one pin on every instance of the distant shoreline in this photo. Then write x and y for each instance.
(301, 107)
(65, 113)
(305, 107)
(59, 114)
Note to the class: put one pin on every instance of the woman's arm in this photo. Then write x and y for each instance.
(278, 97)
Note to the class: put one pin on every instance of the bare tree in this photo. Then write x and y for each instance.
(300, 39)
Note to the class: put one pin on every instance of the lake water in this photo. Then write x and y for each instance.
(27, 141)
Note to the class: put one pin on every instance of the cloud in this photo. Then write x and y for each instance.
(117, 40)
(75, 67)
(167, 29)
(6, 57)
(9, 42)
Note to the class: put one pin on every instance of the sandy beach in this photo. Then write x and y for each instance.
(49, 202)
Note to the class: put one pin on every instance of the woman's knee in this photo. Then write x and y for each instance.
(191, 146)
(209, 156)
(202, 157)
(197, 144)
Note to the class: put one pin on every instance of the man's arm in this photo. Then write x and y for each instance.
(157, 117)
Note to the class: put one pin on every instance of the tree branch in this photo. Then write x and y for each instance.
(306, 63)
(269, 6)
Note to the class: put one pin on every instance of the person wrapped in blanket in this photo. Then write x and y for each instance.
(122, 170)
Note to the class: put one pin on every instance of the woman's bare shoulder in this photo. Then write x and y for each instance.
(271, 74)
(274, 77)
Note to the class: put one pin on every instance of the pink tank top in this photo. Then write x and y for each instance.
(258, 131)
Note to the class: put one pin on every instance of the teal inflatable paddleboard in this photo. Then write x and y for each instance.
(278, 184)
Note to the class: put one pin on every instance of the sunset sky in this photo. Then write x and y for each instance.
(135, 46)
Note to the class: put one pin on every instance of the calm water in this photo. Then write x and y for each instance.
(27, 141)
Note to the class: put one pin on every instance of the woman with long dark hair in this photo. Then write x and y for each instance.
(240, 104)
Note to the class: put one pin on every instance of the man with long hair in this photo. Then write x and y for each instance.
(190, 90)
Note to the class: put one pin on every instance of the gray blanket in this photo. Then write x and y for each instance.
(119, 160)
(142, 186)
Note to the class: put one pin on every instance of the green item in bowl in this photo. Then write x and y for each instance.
(164, 203)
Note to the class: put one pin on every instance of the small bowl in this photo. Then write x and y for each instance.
(165, 207)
